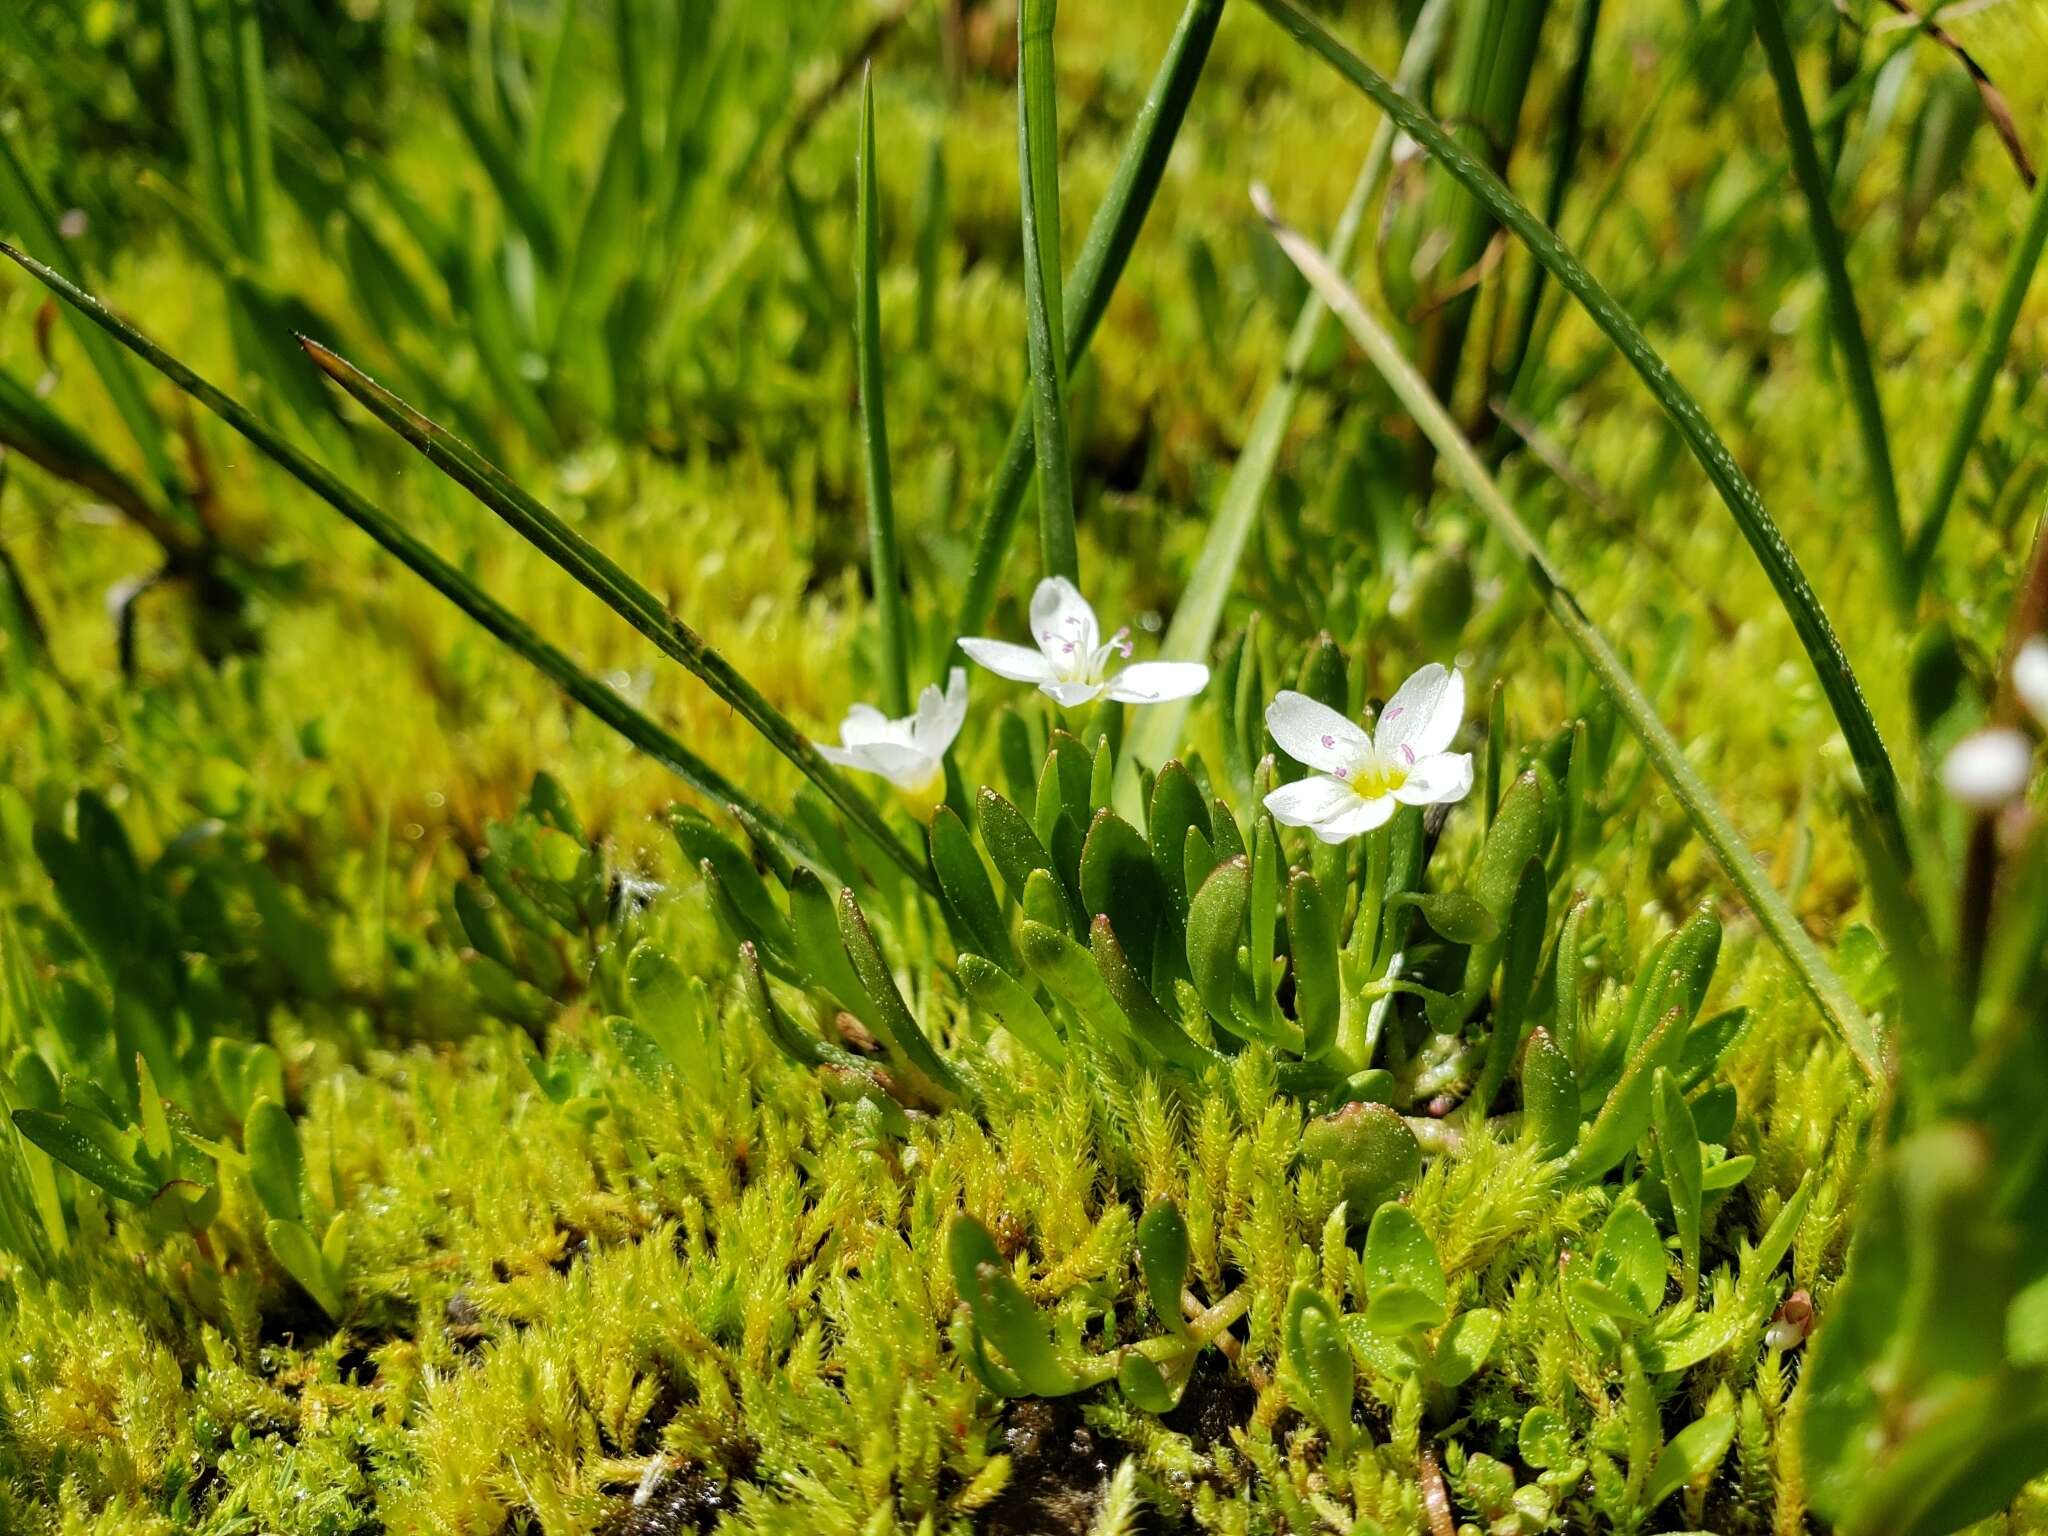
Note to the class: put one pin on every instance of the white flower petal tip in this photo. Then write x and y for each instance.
(1360, 778)
(1988, 770)
(2030, 677)
(1071, 664)
(910, 753)
(1313, 733)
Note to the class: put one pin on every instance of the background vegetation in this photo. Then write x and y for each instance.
(451, 1182)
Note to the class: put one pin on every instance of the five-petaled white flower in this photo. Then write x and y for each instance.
(1072, 659)
(910, 753)
(1360, 779)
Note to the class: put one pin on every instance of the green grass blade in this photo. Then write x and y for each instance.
(931, 235)
(1100, 264)
(1563, 163)
(521, 200)
(874, 422)
(1843, 316)
(500, 622)
(1809, 619)
(22, 205)
(1677, 68)
(1155, 734)
(1991, 353)
(252, 127)
(1045, 328)
(196, 113)
(1772, 911)
(626, 597)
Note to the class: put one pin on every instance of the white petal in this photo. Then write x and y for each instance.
(1062, 623)
(1072, 695)
(1154, 682)
(865, 725)
(1365, 817)
(1437, 780)
(1314, 733)
(1015, 662)
(1989, 769)
(1308, 802)
(940, 715)
(2030, 677)
(904, 766)
(1423, 715)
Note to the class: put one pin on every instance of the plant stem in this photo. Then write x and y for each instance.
(867, 326)
(1107, 247)
(1039, 191)
(1809, 619)
(1772, 910)
(1843, 316)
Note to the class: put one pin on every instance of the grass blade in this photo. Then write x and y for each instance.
(1100, 264)
(620, 592)
(1492, 60)
(195, 111)
(1039, 190)
(1809, 619)
(1773, 912)
(874, 422)
(931, 235)
(1155, 734)
(1843, 316)
(1563, 162)
(252, 127)
(500, 622)
(22, 205)
(1991, 352)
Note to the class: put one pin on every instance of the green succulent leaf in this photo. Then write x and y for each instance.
(90, 1147)
(1163, 1260)
(1691, 1457)
(1402, 1263)
(998, 993)
(1216, 922)
(1465, 1346)
(277, 1169)
(963, 880)
(303, 1260)
(1313, 1343)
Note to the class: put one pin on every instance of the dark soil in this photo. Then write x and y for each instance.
(690, 1500)
(1218, 1400)
(1059, 1467)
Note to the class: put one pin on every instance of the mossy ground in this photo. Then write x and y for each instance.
(711, 1296)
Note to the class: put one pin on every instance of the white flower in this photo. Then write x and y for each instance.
(1072, 659)
(1988, 769)
(910, 753)
(2030, 677)
(1361, 778)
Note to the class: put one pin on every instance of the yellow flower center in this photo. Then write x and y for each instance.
(1377, 777)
